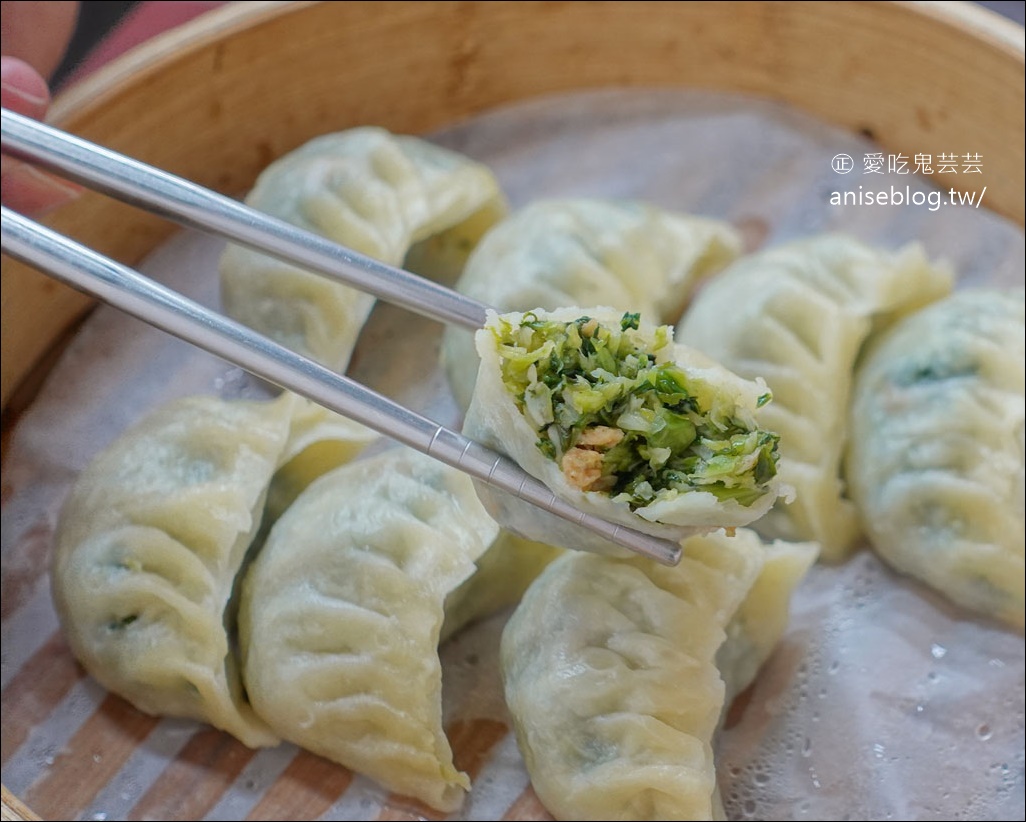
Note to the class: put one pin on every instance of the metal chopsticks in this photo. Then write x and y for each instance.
(192, 205)
(120, 286)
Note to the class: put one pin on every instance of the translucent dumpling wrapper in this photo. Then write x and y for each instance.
(617, 420)
(935, 461)
(151, 539)
(341, 614)
(609, 667)
(319, 440)
(762, 618)
(371, 191)
(797, 316)
(503, 573)
(554, 253)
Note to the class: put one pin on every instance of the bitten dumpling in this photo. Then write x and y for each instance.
(617, 420)
(935, 462)
(341, 612)
(610, 673)
(553, 253)
(797, 316)
(369, 190)
(152, 536)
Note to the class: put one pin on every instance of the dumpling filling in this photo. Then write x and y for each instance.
(619, 417)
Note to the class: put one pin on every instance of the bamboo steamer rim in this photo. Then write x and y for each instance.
(12, 808)
(92, 107)
(156, 54)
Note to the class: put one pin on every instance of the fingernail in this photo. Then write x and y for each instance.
(21, 94)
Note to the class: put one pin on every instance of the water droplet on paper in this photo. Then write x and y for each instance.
(938, 651)
(807, 747)
(984, 732)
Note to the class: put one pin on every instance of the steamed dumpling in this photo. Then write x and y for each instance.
(935, 462)
(148, 546)
(341, 613)
(610, 673)
(614, 418)
(554, 253)
(797, 317)
(152, 536)
(371, 191)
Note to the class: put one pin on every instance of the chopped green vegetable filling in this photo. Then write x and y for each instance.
(618, 422)
(122, 623)
(940, 367)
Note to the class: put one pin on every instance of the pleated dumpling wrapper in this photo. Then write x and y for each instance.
(609, 667)
(935, 463)
(372, 191)
(341, 612)
(797, 316)
(617, 420)
(580, 251)
(153, 534)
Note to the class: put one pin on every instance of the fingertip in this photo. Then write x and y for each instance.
(22, 89)
(25, 188)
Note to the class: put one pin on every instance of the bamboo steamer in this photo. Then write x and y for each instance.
(218, 99)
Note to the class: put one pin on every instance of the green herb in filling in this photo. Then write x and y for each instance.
(617, 422)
